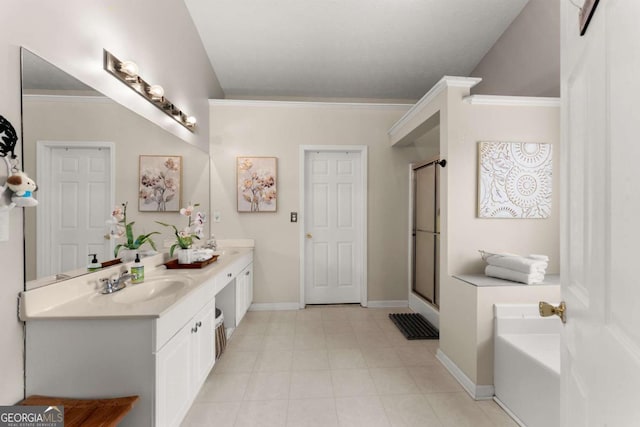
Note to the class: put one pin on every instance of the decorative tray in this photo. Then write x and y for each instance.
(173, 263)
(112, 262)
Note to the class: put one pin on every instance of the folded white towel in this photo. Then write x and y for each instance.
(514, 276)
(518, 263)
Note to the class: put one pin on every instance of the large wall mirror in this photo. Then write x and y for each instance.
(83, 150)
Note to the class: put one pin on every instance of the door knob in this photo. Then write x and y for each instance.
(547, 310)
(309, 235)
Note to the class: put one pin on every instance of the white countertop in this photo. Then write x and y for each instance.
(79, 298)
(480, 280)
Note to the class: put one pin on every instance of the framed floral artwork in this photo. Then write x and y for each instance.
(160, 182)
(514, 180)
(256, 179)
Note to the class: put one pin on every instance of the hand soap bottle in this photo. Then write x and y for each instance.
(94, 265)
(137, 270)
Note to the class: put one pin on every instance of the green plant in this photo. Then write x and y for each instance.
(193, 230)
(120, 227)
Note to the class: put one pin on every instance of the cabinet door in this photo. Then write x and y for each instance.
(248, 277)
(173, 379)
(240, 297)
(203, 343)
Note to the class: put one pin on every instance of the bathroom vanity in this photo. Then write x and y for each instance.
(155, 339)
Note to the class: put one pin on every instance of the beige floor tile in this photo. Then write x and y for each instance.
(458, 410)
(274, 361)
(268, 386)
(434, 379)
(245, 343)
(336, 326)
(224, 388)
(415, 355)
(352, 382)
(393, 381)
(361, 411)
(309, 341)
(310, 384)
(349, 358)
(263, 413)
(258, 316)
(284, 316)
(312, 413)
(382, 358)
(335, 313)
(342, 341)
(365, 327)
(496, 414)
(220, 414)
(409, 410)
(310, 360)
(278, 342)
(251, 328)
(307, 314)
(307, 327)
(280, 329)
(239, 361)
(373, 340)
(358, 314)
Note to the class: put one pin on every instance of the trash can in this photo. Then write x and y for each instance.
(221, 334)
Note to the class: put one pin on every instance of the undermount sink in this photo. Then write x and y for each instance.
(150, 289)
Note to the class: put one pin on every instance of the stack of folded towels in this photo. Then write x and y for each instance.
(524, 269)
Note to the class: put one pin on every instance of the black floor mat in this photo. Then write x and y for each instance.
(414, 326)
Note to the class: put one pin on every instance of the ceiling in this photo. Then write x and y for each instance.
(374, 49)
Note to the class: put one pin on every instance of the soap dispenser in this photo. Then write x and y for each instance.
(94, 265)
(137, 270)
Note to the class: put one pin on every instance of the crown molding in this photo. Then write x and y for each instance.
(512, 101)
(307, 104)
(442, 84)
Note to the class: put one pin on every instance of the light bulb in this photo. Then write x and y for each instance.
(156, 92)
(129, 68)
(190, 121)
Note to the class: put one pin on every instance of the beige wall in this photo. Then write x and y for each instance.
(278, 129)
(525, 60)
(72, 34)
(467, 233)
(47, 119)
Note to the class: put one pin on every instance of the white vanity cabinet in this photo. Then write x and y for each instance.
(91, 347)
(244, 292)
(182, 366)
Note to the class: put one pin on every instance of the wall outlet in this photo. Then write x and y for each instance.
(216, 216)
(294, 216)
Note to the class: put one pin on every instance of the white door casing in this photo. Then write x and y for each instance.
(76, 192)
(600, 384)
(333, 225)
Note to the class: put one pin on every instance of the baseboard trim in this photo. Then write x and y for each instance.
(388, 303)
(274, 306)
(477, 392)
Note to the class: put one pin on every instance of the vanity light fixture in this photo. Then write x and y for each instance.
(127, 73)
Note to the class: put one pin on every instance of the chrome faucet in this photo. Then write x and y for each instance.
(115, 285)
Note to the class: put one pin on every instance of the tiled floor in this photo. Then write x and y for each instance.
(333, 366)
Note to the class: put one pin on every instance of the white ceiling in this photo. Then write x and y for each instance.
(385, 49)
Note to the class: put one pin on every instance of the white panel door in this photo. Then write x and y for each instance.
(79, 194)
(600, 227)
(333, 192)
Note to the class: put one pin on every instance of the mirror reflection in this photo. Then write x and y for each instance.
(83, 150)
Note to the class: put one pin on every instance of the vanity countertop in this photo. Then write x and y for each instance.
(79, 298)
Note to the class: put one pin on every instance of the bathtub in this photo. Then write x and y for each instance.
(527, 364)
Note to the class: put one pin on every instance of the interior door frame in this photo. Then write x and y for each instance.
(362, 237)
(43, 153)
